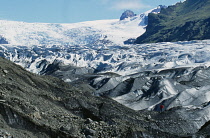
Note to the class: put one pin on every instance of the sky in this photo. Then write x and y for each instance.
(72, 11)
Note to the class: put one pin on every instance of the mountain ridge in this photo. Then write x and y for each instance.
(181, 22)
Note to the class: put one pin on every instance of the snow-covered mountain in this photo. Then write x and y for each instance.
(84, 33)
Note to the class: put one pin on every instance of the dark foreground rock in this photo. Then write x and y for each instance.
(35, 106)
(44, 106)
(155, 87)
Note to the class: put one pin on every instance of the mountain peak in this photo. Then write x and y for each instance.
(126, 14)
(3, 40)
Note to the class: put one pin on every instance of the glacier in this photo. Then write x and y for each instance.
(91, 55)
(84, 33)
(100, 32)
(159, 72)
(141, 77)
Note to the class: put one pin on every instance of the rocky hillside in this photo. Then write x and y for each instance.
(185, 21)
(35, 106)
(43, 106)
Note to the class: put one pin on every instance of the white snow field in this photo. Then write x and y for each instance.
(108, 32)
(90, 32)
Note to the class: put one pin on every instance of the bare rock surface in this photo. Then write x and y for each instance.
(43, 106)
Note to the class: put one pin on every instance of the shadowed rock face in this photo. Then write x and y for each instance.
(126, 14)
(3, 40)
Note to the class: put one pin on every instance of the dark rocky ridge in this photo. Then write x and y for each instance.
(3, 40)
(181, 22)
(126, 14)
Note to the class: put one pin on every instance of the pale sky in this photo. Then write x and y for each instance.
(72, 11)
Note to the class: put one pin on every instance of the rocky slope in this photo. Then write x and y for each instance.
(35, 106)
(43, 106)
(181, 22)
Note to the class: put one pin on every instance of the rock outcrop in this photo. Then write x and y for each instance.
(126, 14)
(3, 40)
